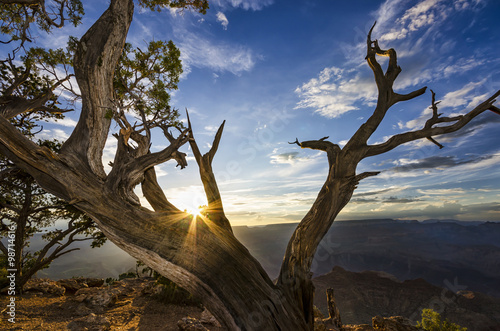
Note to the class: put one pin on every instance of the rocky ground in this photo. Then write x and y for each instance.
(76, 305)
(137, 304)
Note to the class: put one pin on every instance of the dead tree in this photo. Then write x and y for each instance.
(200, 254)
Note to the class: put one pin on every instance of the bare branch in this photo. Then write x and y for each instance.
(386, 95)
(494, 109)
(18, 80)
(405, 97)
(154, 193)
(364, 175)
(192, 142)
(330, 148)
(429, 130)
(129, 168)
(215, 207)
(10, 207)
(215, 145)
(147, 161)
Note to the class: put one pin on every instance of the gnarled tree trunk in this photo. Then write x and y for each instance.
(200, 254)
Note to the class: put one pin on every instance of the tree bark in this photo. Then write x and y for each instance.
(333, 310)
(196, 253)
(95, 61)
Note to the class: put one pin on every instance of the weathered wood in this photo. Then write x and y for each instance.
(333, 310)
(94, 63)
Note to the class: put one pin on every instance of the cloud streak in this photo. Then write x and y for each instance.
(245, 4)
(203, 53)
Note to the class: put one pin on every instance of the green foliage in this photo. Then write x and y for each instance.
(34, 86)
(16, 20)
(35, 79)
(126, 275)
(110, 280)
(143, 79)
(431, 321)
(32, 210)
(157, 5)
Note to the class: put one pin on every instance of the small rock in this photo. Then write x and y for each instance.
(82, 310)
(360, 327)
(71, 285)
(208, 318)
(45, 286)
(467, 294)
(97, 296)
(74, 284)
(93, 282)
(91, 322)
(149, 288)
(190, 324)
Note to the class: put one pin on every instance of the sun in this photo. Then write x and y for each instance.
(196, 212)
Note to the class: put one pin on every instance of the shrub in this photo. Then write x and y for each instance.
(172, 293)
(431, 321)
(125, 275)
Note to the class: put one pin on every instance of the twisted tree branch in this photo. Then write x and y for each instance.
(386, 95)
(429, 130)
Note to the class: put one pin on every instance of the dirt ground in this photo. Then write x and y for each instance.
(38, 311)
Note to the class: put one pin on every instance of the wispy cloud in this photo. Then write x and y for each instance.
(424, 14)
(411, 30)
(222, 19)
(203, 53)
(465, 97)
(443, 168)
(435, 162)
(448, 191)
(245, 4)
(336, 91)
(397, 23)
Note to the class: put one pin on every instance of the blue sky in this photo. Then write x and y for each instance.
(278, 70)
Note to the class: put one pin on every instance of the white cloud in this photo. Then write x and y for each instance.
(68, 122)
(448, 191)
(424, 14)
(211, 129)
(222, 19)
(202, 53)
(463, 96)
(462, 65)
(57, 134)
(335, 92)
(291, 158)
(245, 4)
(394, 24)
